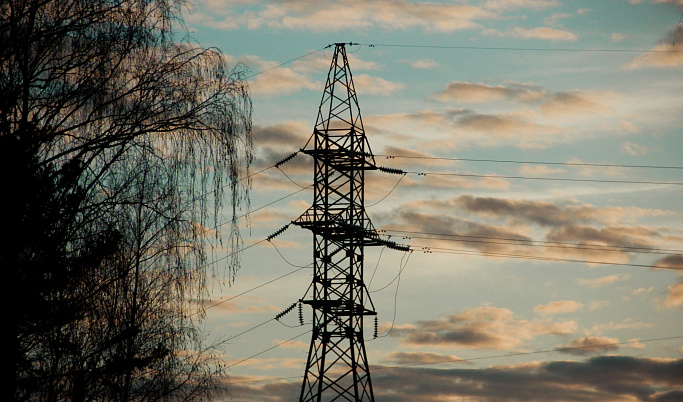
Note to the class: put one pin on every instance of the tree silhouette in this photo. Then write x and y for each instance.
(119, 141)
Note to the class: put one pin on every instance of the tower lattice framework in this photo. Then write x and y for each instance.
(337, 366)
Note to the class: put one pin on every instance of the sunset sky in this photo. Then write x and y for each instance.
(555, 130)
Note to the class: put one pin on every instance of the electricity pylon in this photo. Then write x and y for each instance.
(337, 366)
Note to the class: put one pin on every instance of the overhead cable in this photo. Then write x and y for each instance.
(458, 360)
(526, 49)
(441, 250)
(588, 164)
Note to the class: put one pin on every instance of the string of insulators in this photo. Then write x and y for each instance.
(395, 246)
(286, 311)
(301, 314)
(287, 159)
(376, 332)
(278, 232)
(390, 170)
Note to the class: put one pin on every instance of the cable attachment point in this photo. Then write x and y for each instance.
(277, 233)
(390, 170)
(286, 311)
(376, 328)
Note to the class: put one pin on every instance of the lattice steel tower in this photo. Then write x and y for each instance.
(337, 366)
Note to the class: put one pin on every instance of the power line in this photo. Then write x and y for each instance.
(258, 209)
(493, 176)
(529, 353)
(389, 193)
(586, 164)
(269, 349)
(533, 243)
(273, 379)
(286, 62)
(505, 48)
(531, 257)
(257, 287)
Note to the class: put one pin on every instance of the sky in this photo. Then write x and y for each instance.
(543, 140)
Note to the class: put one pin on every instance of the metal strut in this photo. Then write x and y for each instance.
(337, 366)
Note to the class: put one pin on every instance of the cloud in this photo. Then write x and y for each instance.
(618, 37)
(598, 379)
(602, 281)
(674, 297)
(292, 134)
(513, 4)
(603, 378)
(539, 170)
(545, 33)
(492, 225)
(411, 157)
(615, 238)
(590, 345)
(566, 215)
(503, 126)
(369, 85)
(560, 306)
(424, 64)
(561, 104)
(350, 14)
(261, 388)
(466, 126)
(632, 149)
(571, 103)
(479, 92)
(469, 234)
(484, 327)
(672, 260)
(273, 81)
(281, 81)
(596, 305)
(544, 213)
(674, 293)
(627, 323)
(277, 142)
(412, 358)
(662, 56)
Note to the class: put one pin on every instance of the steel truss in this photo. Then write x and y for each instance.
(337, 368)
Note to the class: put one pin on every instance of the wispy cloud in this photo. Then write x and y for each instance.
(571, 103)
(349, 14)
(420, 358)
(602, 281)
(424, 64)
(674, 296)
(590, 345)
(559, 306)
(484, 327)
(662, 56)
(546, 33)
(479, 92)
(366, 84)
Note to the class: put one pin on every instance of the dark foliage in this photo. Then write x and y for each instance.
(117, 142)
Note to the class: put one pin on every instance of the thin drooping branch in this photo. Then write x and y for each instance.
(125, 145)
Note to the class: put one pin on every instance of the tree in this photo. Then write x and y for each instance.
(119, 141)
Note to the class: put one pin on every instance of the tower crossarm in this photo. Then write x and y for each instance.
(342, 159)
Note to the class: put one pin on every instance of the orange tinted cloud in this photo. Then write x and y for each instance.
(590, 345)
(559, 306)
(661, 56)
(484, 327)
